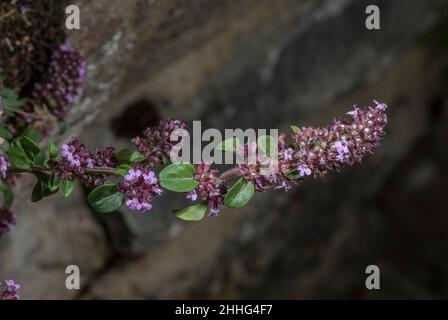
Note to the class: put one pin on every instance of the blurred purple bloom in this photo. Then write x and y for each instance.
(304, 170)
(4, 165)
(192, 195)
(11, 291)
(288, 154)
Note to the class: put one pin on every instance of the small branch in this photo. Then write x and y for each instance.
(105, 171)
(7, 14)
(40, 169)
(230, 174)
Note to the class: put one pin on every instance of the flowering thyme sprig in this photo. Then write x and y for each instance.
(129, 177)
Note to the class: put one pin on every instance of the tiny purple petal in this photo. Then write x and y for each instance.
(304, 170)
(192, 195)
(288, 154)
(150, 178)
(354, 113)
(380, 106)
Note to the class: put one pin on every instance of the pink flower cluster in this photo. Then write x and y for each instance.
(210, 188)
(76, 158)
(319, 150)
(63, 82)
(11, 291)
(315, 151)
(156, 144)
(140, 186)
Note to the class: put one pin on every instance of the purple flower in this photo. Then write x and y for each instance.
(288, 154)
(345, 141)
(210, 187)
(140, 186)
(10, 283)
(75, 159)
(304, 170)
(105, 158)
(156, 144)
(11, 291)
(7, 218)
(136, 205)
(213, 212)
(353, 113)
(192, 195)
(4, 165)
(63, 82)
(67, 151)
(380, 106)
(150, 178)
(133, 175)
(342, 149)
(90, 163)
(283, 185)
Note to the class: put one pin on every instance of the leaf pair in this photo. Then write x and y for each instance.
(22, 153)
(239, 195)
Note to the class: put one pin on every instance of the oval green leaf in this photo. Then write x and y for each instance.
(240, 194)
(66, 188)
(178, 177)
(106, 198)
(18, 156)
(192, 213)
(127, 156)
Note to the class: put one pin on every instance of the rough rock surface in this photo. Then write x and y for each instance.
(254, 64)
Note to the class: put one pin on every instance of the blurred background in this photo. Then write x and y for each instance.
(246, 64)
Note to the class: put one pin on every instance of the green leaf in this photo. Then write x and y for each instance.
(30, 147)
(32, 134)
(127, 156)
(40, 159)
(293, 174)
(230, 144)
(38, 191)
(123, 169)
(192, 213)
(66, 188)
(106, 198)
(4, 133)
(265, 143)
(295, 129)
(178, 177)
(18, 156)
(240, 194)
(53, 183)
(8, 195)
(136, 157)
(11, 101)
(45, 186)
(53, 152)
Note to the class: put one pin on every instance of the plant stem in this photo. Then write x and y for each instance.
(230, 174)
(40, 169)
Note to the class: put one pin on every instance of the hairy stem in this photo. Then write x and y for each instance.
(44, 170)
(230, 174)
